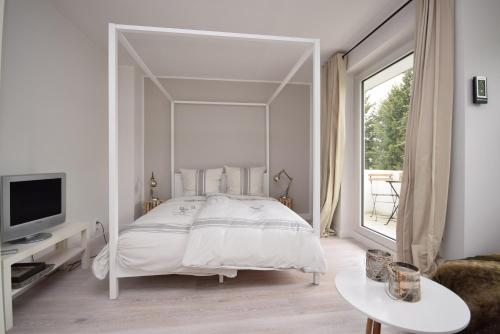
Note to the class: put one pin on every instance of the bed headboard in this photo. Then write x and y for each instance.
(177, 190)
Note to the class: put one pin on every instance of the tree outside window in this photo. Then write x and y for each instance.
(385, 126)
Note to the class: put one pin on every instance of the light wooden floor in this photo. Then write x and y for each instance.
(253, 302)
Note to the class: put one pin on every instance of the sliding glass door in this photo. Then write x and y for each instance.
(386, 101)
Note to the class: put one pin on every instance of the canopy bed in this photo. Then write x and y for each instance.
(204, 230)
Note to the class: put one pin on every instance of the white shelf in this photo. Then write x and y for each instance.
(57, 258)
(59, 233)
(62, 254)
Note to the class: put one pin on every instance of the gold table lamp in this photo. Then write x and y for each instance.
(152, 185)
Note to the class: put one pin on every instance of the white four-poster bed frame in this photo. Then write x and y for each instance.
(115, 35)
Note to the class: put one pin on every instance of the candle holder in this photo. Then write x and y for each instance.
(376, 264)
(403, 282)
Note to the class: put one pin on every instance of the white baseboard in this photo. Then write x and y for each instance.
(369, 244)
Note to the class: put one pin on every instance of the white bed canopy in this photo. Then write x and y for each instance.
(234, 62)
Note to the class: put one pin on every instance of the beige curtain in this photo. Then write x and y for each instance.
(332, 137)
(426, 171)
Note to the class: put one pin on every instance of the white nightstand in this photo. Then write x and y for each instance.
(439, 311)
(61, 255)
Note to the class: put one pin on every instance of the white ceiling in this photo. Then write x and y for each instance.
(339, 25)
(175, 55)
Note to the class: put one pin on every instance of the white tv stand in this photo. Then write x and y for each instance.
(58, 257)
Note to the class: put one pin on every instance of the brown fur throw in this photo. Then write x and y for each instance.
(477, 281)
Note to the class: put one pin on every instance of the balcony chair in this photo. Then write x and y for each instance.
(375, 193)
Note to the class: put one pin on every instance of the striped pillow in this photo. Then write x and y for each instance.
(245, 181)
(199, 182)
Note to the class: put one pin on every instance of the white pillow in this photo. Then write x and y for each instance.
(199, 182)
(245, 181)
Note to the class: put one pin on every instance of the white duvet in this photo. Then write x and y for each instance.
(243, 232)
(216, 235)
(155, 242)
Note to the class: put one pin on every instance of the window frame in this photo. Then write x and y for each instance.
(369, 71)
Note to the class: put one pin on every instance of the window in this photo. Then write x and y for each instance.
(386, 101)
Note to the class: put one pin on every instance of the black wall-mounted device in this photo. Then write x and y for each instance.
(479, 90)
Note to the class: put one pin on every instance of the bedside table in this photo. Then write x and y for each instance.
(150, 205)
(286, 201)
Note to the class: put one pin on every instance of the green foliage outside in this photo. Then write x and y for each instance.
(385, 128)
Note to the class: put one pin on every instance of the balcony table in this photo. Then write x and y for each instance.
(396, 194)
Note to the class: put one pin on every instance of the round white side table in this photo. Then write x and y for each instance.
(439, 311)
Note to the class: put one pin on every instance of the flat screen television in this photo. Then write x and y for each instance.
(30, 204)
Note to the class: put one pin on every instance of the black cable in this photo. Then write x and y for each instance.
(103, 233)
(378, 27)
(76, 264)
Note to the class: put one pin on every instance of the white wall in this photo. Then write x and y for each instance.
(473, 222)
(156, 140)
(130, 143)
(209, 136)
(53, 105)
(139, 142)
(290, 144)
(126, 145)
